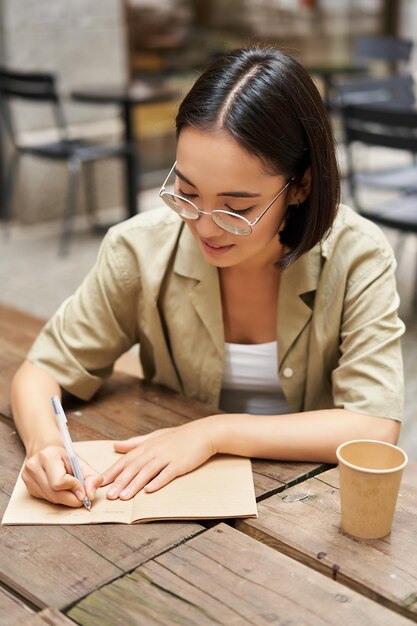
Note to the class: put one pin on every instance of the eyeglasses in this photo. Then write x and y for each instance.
(228, 220)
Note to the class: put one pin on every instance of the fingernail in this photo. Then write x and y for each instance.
(125, 493)
(79, 495)
(112, 492)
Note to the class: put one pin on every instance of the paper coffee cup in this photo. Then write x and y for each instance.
(370, 475)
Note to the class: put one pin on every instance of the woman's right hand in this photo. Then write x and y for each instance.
(48, 475)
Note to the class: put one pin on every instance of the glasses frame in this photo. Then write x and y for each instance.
(250, 224)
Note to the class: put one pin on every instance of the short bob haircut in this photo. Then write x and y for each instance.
(267, 101)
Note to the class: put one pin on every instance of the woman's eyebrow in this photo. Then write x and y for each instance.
(232, 194)
(178, 173)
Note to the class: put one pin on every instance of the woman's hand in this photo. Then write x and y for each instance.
(151, 461)
(48, 475)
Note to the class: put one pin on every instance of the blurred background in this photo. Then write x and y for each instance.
(119, 69)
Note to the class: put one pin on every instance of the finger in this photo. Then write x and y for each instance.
(113, 471)
(37, 477)
(41, 489)
(92, 479)
(58, 476)
(92, 483)
(116, 487)
(166, 476)
(149, 471)
(126, 445)
(123, 479)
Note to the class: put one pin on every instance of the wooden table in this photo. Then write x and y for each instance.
(304, 523)
(170, 572)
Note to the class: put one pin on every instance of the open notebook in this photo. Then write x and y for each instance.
(221, 488)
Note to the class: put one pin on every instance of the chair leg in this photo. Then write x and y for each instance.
(90, 193)
(74, 169)
(8, 189)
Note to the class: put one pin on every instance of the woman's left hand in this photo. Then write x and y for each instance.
(153, 460)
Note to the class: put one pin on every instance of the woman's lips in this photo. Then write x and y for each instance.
(212, 249)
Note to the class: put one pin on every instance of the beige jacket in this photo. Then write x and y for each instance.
(338, 332)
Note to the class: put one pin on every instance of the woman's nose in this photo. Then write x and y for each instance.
(205, 226)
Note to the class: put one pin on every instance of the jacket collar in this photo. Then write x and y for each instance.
(205, 295)
(296, 296)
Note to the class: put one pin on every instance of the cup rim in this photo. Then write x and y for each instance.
(367, 469)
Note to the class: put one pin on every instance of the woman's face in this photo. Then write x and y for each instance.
(215, 172)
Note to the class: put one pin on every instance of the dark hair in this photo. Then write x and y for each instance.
(267, 101)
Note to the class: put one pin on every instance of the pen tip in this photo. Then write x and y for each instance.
(87, 504)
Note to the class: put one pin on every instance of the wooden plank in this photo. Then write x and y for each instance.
(304, 523)
(271, 477)
(47, 617)
(12, 609)
(45, 565)
(53, 565)
(224, 577)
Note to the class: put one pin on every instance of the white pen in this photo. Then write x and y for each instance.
(61, 418)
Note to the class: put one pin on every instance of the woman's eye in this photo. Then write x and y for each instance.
(239, 211)
(187, 195)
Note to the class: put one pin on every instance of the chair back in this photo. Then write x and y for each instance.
(388, 49)
(29, 86)
(393, 90)
(381, 126)
(394, 128)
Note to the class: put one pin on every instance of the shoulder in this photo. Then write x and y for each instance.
(156, 224)
(356, 244)
(149, 232)
(141, 246)
(351, 228)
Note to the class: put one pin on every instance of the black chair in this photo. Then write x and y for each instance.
(392, 51)
(368, 55)
(42, 88)
(397, 90)
(394, 128)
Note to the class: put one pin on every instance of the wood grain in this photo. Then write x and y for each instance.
(224, 577)
(304, 523)
(47, 617)
(53, 565)
(12, 610)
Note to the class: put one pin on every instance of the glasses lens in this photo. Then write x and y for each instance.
(180, 205)
(232, 223)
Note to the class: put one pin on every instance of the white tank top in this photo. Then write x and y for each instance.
(250, 380)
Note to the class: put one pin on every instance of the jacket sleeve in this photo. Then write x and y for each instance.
(80, 343)
(369, 375)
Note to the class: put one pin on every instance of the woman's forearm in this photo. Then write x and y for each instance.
(309, 436)
(31, 393)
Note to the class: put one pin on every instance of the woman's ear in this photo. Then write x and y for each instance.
(301, 191)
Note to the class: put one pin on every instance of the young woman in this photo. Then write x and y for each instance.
(254, 291)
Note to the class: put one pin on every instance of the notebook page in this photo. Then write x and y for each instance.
(221, 488)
